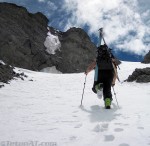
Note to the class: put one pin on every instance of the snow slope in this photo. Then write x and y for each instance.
(48, 110)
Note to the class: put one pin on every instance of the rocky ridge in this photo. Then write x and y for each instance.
(22, 42)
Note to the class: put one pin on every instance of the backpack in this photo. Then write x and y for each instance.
(104, 58)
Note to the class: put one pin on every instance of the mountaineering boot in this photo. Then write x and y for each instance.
(93, 88)
(99, 90)
(107, 103)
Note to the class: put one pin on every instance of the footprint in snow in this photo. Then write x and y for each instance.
(97, 128)
(105, 125)
(140, 128)
(118, 123)
(126, 117)
(121, 124)
(118, 129)
(74, 111)
(124, 144)
(78, 126)
(101, 128)
(57, 97)
(125, 124)
(109, 138)
(73, 138)
(74, 116)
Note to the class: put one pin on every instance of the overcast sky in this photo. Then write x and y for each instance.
(126, 22)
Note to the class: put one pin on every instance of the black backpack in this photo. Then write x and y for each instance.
(104, 58)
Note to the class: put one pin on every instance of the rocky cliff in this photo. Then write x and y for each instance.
(147, 58)
(140, 75)
(22, 42)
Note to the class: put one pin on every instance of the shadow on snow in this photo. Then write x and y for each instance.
(100, 114)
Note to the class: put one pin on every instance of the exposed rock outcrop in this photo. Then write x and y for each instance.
(77, 51)
(147, 58)
(7, 73)
(22, 37)
(140, 75)
(22, 42)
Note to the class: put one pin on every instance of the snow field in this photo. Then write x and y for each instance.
(48, 110)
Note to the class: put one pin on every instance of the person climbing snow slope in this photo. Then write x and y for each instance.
(107, 73)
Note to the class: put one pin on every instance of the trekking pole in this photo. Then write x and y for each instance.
(83, 90)
(115, 96)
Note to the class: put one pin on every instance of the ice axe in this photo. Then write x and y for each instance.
(101, 33)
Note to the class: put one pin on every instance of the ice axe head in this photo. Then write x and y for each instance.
(101, 30)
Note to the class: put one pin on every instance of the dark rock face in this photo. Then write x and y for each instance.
(147, 58)
(140, 75)
(22, 36)
(77, 51)
(7, 74)
(22, 42)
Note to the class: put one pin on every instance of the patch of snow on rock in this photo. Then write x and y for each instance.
(52, 43)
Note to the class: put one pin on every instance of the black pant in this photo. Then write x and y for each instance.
(105, 77)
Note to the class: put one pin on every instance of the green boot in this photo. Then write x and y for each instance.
(107, 103)
(98, 87)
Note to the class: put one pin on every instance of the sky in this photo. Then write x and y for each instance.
(126, 22)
